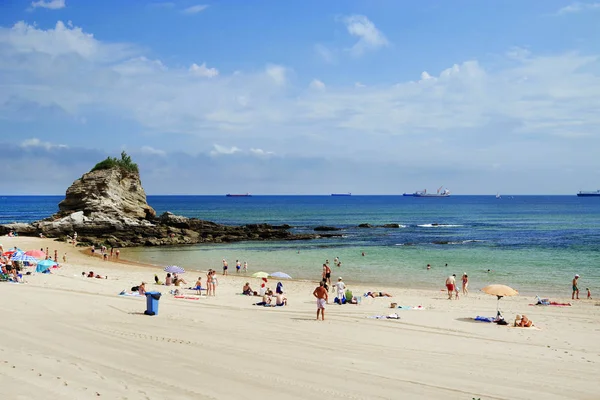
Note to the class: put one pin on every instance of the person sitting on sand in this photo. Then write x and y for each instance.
(91, 274)
(142, 289)
(247, 290)
(266, 300)
(156, 280)
(280, 300)
(168, 279)
(523, 321)
(177, 281)
(378, 294)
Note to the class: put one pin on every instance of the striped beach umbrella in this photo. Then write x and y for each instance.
(174, 269)
(24, 258)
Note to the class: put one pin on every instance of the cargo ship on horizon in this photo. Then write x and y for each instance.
(238, 195)
(588, 194)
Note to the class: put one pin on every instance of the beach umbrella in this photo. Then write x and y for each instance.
(280, 275)
(39, 254)
(174, 269)
(260, 275)
(24, 258)
(44, 265)
(8, 253)
(499, 291)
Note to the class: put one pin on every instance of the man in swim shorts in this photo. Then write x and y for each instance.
(450, 282)
(321, 294)
(575, 287)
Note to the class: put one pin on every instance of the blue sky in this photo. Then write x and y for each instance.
(303, 97)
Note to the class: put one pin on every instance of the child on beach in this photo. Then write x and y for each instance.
(455, 292)
(589, 294)
(245, 266)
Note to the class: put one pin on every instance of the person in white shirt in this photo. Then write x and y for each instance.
(341, 289)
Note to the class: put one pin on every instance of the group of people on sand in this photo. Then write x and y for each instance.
(452, 287)
(326, 274)
(238, 267)
(104, 252)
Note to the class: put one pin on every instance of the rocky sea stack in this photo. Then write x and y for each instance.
(108, 206)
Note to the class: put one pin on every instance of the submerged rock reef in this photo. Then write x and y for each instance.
(108, 206)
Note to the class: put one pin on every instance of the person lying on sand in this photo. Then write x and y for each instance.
(378, 294)
(523, 321)
(92, 275)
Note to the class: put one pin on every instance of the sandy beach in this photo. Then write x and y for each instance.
(70, 337)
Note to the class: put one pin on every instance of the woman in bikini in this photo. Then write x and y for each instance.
(465, 284)
(378, 294)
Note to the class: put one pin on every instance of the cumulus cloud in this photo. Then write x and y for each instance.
(49, 4)
(369, 37)
(195, 9)
(538, 104)
(578, 7)
(203, 71)
(35, 142)
(152, 151)
(222, 150)
(277, 73)
(317, 84)
(325, 53)
(261, 152)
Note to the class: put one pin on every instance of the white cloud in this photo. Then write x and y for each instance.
(49, 4)
(261, 152)
(578, 7)
(152, 151)
(277, 73)
(195, 9)
(203, 71)
(317, 84)
(369, 37)
(359, 85)
(35, 142)
(456, 115)
(222, 150)
(325, 53)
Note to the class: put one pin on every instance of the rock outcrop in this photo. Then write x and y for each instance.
(108, 206)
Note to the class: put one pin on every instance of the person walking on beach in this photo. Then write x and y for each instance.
(450, 282)
(327, 274)
(321, 294)
(575, 287)
(465, 284)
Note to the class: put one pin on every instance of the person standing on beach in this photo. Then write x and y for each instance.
(245, 266)
(341, 290)
(225, 267)
(450, 282)
(465, 284)
(575, 287)
(238, 266)
(327, 274)
(321, 294)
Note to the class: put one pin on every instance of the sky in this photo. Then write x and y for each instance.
(303, 97)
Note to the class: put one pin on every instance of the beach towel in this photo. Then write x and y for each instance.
(187, 297)
(124, 293)
(391, 316)
(484, 319)
(411, 308)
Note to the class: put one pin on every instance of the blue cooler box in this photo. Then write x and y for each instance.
(152, 299)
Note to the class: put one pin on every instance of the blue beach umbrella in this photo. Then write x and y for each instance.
(174, 269)
(280, 275)
(44, 265)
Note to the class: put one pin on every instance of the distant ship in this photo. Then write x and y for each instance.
(238, 195)
(589, 194)
(423, 193)
(498, 196)
(341, 194)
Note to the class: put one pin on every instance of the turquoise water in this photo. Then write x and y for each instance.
(533, 243)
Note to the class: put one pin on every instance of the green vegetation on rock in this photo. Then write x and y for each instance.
(124, 164)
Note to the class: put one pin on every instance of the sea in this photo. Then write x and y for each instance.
(535, 244)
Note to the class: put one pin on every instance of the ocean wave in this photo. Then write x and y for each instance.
(438, 226)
